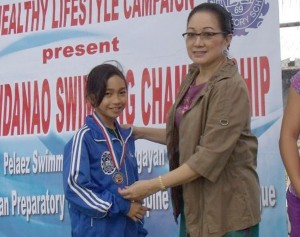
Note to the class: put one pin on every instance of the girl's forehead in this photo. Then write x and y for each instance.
(115, 82)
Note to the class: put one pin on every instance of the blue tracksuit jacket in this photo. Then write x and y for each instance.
(95, 207)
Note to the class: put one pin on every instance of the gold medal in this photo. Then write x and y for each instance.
(118, 177)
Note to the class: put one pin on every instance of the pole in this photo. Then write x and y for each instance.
(290, 24)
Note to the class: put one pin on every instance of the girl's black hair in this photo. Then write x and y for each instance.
(97, 80)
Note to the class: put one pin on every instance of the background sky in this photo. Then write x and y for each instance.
(289, 11)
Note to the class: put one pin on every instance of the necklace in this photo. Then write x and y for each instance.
(110, 144)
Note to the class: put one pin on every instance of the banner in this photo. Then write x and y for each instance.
(47, 47)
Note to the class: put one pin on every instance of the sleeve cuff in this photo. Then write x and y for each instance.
(124, 205)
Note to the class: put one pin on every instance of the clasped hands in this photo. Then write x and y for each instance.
(136, 193)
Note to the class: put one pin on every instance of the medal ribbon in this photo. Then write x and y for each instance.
(109, 143)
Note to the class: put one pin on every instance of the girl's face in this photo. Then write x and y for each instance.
(207, 48)
(114, 101)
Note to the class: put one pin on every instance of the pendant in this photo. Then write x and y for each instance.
(118, 177)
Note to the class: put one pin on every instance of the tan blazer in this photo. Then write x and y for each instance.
(215, 140)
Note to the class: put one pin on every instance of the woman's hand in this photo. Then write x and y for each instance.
(157, 135)
(134, 130)
(140, 189)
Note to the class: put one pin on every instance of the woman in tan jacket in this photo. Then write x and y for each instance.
(212, 152)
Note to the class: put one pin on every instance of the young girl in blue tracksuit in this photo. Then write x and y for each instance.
(98, 160)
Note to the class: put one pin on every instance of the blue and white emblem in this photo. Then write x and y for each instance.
(107, 163)
(246, 14)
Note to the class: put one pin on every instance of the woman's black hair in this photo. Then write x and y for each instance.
(224, 17)
(97, 80)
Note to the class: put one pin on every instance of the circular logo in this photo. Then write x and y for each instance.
(107, 164)
(245, 13)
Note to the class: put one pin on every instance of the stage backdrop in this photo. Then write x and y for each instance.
(46, 49)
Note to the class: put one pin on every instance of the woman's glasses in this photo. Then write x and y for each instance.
(205, 35)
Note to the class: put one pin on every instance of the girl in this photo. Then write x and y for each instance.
(99, 159)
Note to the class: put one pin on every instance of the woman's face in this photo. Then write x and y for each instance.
(205, 49)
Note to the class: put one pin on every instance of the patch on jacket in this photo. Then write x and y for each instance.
(107, 164)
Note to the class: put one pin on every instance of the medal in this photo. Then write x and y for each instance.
(118, 177)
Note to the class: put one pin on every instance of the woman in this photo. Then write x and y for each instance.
(212, 152)
(99, 159)
(290, 130)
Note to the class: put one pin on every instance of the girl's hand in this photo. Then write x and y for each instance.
(137, 211)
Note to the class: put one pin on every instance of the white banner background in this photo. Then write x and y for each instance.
(46, 49)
